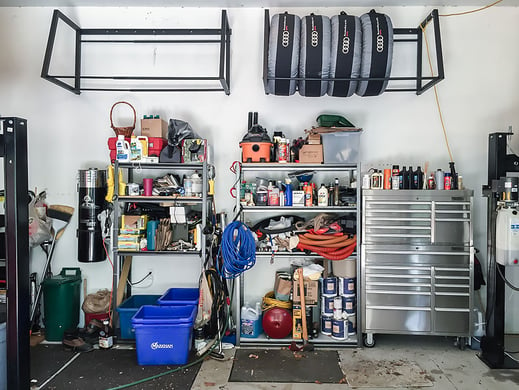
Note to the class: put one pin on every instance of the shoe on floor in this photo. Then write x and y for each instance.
(76, 344)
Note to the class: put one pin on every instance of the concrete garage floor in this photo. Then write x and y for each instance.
(446, 366)
(396, 362)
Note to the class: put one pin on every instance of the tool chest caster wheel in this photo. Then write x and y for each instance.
(369, 340)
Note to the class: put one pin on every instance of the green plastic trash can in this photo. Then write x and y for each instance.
(61, 300)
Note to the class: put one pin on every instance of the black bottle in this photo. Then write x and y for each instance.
(408, 178)
(417, 179)
(401, 175)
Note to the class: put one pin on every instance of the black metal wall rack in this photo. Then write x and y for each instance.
(413, 35)
(73, 82)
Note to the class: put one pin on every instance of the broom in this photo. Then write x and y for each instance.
(61, 216)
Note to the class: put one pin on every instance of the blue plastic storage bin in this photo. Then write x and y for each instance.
(179, 296)
(163, 334)
(129, 308)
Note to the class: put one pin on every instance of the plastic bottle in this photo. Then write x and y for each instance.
(409, 178)
(273, 195)
(144, 145)
(135, 149)
(376, 180)
(418, 179)
(288, 192)
(307, 188)
(439, 179)
(336, 192)
(322, 196)
(122, 149)
(401, 175)
(250, 321)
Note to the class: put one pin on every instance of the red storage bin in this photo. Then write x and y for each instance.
(155, 146)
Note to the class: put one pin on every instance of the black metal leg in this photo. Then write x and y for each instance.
(17, 251)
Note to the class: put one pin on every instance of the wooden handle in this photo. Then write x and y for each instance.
(303, 303)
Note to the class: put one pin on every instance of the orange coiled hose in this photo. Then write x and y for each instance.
(333, 251)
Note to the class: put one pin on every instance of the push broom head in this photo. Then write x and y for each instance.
(61, 216)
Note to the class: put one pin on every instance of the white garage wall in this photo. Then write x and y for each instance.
(69, 132)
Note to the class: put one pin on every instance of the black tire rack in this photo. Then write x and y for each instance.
(13, 149)
(401, 35)
(73, 82)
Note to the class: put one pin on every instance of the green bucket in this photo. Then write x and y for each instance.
(61, 300)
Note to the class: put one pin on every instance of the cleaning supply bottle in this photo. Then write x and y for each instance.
(135, 149)
(122, 149)
(144, 145)
(251, 321)
(322, 196)
(288, 192)
(307, 188)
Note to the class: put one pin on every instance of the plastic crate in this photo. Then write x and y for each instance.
(179, 296)
(341, 147)
(129, 308)
(163, 334)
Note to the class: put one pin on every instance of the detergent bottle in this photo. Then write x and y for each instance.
(122, 149)
(251, 321)
(144, 145)
(135, 149)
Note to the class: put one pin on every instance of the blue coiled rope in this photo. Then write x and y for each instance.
(237, 250)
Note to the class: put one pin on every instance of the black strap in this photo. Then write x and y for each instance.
(379, 52)
(345, 53)
(314, 54)
(285, 48)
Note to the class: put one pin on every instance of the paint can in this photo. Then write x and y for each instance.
(349, 303)
(347, 286)
(329, 286)
(326, 325)
(327, 305)
(339, 329)
(352, 325)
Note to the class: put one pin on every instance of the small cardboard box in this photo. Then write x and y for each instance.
(313, 139)
(311, 288)
(154, 127)
(311, 154)
(134, 221)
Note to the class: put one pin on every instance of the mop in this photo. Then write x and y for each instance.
(61, 216)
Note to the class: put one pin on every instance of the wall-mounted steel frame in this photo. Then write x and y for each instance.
(223, 38)
(13, 149)
(416, 35)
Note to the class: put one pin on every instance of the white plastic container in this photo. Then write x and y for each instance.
(122, 148)
(507, 236)
(251, 321)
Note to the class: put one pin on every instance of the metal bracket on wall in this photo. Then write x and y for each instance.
(75, 82)
(401, 35)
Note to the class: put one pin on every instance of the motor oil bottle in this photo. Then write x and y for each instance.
(418, 179)
(122, 149)
(401, 175)
(322, 196)
(376, 180)
(288, 192)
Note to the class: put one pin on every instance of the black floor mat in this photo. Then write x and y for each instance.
(46, 359)
(104, 369)
(282, 366)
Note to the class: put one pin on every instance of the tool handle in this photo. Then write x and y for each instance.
(303, 304)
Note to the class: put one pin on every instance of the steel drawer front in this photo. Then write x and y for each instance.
(452, 288)
(394, 255)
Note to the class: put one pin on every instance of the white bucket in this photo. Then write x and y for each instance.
(346, 268)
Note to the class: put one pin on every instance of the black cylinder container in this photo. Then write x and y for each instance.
(92, 192)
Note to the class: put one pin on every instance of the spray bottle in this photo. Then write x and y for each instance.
(288, 192)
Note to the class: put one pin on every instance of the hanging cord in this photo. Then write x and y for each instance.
(507, 282)
(431, 68)
(238, 250)
(474, 10)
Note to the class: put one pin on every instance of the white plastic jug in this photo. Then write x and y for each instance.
(122, 149)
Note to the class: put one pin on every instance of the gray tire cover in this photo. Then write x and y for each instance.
(314, 58)
(345, 56)
(377, 52)
(283, 53)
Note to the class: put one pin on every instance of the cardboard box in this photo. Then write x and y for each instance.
(311, 154)
(313, 139)
(155, 127)
(134, 221)
(311, 288)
